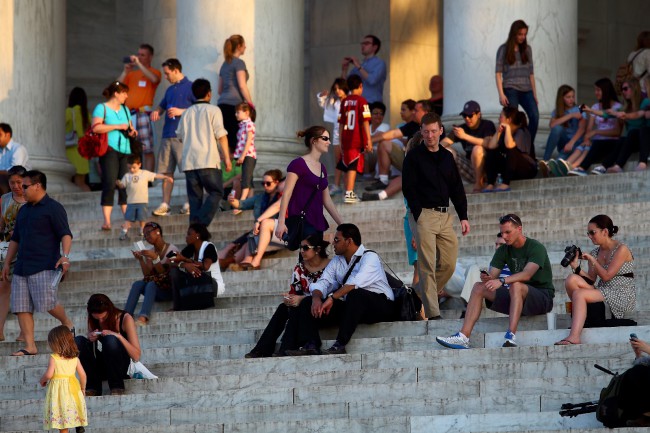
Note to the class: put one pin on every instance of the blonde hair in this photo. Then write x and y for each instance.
(62, 343)
(231, 45)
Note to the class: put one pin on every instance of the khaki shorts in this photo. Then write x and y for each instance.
(396, 156)
(170, 155)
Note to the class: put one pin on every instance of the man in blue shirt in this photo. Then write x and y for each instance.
(11, 154)
(177, 98)
(42, 240)
(372, 70)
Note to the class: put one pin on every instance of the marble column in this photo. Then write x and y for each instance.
(32, 93)
(274, 57)
(475, 30)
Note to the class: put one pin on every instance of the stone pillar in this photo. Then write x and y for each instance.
(274, 56)
(32, 94)
(475, 30)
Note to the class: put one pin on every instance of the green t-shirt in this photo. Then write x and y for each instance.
(227, 175)
(518, 258)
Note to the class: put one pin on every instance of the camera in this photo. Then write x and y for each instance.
(570, 253)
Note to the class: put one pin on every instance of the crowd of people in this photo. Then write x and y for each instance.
(352, 287)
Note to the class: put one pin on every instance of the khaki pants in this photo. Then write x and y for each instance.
(437, 243)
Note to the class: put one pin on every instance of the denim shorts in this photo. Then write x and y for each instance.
(136, 212)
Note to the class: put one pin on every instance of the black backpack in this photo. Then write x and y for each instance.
(609, 410)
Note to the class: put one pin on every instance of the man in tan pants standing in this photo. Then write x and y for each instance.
(429, 179)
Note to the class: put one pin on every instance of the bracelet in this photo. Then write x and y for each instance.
(67, 256)
(156, 260)
(65, 263)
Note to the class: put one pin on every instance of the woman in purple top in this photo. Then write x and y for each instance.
(304, 175)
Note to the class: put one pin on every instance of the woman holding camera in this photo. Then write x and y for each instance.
(113, 119)
(609, 277)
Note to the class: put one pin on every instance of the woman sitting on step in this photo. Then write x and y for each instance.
(115, 330)
(313, 250)
(609, 277)
(156, 284)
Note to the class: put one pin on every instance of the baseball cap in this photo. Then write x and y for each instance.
(470, 108)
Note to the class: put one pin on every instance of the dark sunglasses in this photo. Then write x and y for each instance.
(25, 187)
(625, 88)
(510, 218)
(324, 137)
(306, 247)
(591, 232)
(267, 183)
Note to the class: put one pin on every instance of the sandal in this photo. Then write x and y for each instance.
(565, 342)
(106, 227)
(23, 352)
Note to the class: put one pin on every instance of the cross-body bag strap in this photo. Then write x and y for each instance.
(347, 274)
(386, 265)
(313, 194)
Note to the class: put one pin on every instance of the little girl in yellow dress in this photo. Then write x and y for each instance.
(65, 406)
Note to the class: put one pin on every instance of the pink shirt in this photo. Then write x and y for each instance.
(245, 126)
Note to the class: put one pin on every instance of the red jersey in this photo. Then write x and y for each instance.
(354, 111)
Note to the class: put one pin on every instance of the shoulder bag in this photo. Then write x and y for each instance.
(92, 144)
(71, 137)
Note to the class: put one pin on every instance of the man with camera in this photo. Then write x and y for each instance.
(527, 291)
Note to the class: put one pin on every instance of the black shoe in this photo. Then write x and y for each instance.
(279, 354)
(254, 354)
(303, 351)
(376, 186)
(370, 196)
(336, 349)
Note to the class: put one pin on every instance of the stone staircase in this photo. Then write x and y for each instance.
(395, 378)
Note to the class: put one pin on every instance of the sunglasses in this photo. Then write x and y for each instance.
(468, 116)
(625, 88)
(510, 218)
(324, 137)
(267, 183)
(25, 187)
(305, 248)
(337, 240)
(152, 224)
(591, 232)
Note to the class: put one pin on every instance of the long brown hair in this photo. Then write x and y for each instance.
(100, 303)
(231, 45)
(78, 97)
(512, 42)
(62, 343)
(632, 105)
(560, 108)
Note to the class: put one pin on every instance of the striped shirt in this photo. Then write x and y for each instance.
(517, 75)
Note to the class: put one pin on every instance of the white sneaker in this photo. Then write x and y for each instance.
(599, 170)
(456, 341)
(161, 210)
(185, 209)
(509, 340)
(578, 171)
(351, 197)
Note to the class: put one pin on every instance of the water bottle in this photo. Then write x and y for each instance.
(58, 274)
(138, 375)
(499, 179)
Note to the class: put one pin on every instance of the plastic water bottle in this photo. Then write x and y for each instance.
(499, 179)
(58, 274)
(138, 375)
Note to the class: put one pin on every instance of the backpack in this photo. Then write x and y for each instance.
(624, 72)
(609, 410)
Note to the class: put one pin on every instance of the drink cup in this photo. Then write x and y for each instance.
(568, 307)
(550, 321)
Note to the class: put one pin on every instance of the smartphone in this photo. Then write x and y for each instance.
(171, 254)
(633, 336)
(126, 59)
(98, 333)
(138, 246)
(484, 271)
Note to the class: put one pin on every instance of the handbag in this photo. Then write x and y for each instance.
(161, 280)
(252, 244)
(92, 144)
(296, 223)
(71, 137)
(192, 293)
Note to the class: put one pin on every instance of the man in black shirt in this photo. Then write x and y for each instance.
(430, 178)
(472, 135)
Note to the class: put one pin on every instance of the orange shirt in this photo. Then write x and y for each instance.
(141, 90)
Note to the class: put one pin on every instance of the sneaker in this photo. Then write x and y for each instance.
(456, 341)
(376, 186)
(510, 340)
(334, 189)
(370, 196)
(578, 171)
(599, 169)
(336, 349)
(351, 198)
(543, 168)
(564, 166)
(161, 210)
(555, 169)
(124, 236)
(185, 209)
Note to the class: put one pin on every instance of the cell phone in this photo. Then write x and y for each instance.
(582, 108)
(484, 271)
(126, 59)
(139, 246)
(171, 254)
(97, 333)
(633, 337)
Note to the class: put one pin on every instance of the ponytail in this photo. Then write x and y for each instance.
(231, 45)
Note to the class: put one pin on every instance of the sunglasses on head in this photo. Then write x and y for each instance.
(152, 224)
(510, 218)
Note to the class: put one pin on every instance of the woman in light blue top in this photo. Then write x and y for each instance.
(113, 119)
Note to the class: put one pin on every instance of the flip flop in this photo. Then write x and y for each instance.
(497, 189)
(106, 228)
(23, 352)
(488, 189)
(565, 342)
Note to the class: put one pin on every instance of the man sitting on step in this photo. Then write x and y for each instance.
(355, 290)
(528, 291)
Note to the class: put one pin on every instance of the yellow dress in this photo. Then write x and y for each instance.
(80, 163)
(65, 406)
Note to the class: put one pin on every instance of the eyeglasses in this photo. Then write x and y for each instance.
(267, 183)
(306, 247)
(592, 232)
(337, 240)
(510, 218)
(324, 137)
(25, 187)
(625, 88)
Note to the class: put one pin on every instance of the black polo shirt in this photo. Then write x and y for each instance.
(38, 232)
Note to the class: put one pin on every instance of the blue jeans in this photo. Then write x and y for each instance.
(208, 179)
(527, 102)
(151, 294)
(557, 139)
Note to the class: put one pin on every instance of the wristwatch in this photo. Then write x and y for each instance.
(331, 295)
(502, 280)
